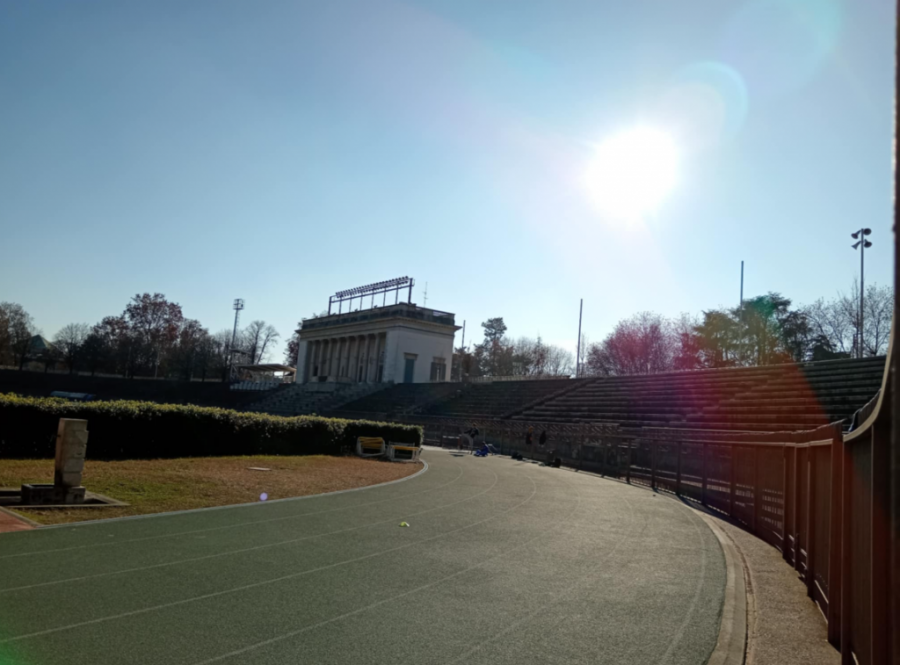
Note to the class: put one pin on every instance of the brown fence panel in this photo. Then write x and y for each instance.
(744, 472)
(770, 494)
(820, 523)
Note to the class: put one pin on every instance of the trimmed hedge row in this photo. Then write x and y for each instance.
(142, 430)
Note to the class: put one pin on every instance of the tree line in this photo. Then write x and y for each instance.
(151, 337)
(766, 330)
(499, 355)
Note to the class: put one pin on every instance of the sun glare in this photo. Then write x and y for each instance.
(632, 172)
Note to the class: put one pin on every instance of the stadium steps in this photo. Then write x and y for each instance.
(399, 399)
(299, 400)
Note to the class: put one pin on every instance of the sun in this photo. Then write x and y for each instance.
(632, 172)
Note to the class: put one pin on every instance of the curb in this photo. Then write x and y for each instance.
(731, 647)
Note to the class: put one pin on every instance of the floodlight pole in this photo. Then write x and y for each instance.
(861, 245)
(862, 295)
(238, 306)
(578, 350)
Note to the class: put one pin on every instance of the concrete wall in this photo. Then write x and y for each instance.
(424, 345)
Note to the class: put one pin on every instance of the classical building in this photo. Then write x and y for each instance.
(403, 343)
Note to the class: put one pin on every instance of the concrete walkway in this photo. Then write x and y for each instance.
(784, 626)
(503, 562)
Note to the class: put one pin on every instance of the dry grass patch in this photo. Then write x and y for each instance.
(155, 486)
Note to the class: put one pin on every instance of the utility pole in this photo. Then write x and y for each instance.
(425, 295)
(861, 244)
(578, 350)
(742, 291)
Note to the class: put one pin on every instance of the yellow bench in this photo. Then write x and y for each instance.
(370, 446)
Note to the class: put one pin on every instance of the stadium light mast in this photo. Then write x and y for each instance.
(578, 348)
(861, 245)
(238, 306)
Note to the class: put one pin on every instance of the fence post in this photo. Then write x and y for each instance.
(653, 451)
(879, 439)
(678, 471)
(731, 482)
(846, 536)
(756, 492)
(785, 503)
(704, 488)
(798, 469)
(834, 554)
(628, 460)
(810, 521)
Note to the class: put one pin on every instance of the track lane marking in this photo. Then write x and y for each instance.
(543, 607)
(371, 606)
(227, 526)
(254, 585)
(245, 549)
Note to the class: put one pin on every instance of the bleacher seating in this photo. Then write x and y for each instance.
(396, 400)
(496, 400)
(772, 398)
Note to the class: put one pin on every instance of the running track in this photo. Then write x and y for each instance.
(504, 562)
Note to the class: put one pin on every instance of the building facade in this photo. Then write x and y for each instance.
(402, 343)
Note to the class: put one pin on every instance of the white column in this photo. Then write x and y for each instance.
(337, 358)
(302, 362)
(335, 352)
(353, 363)
(390, 357)
(370, 361)
(379, 356)
(326, 357)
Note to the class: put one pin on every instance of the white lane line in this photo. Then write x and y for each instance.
(227, 526)
(242, 550)
(690, 613)
(254, 585)
(347, 615)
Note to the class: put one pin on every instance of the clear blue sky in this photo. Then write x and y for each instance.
(280, 151)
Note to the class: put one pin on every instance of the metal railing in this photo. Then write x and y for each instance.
(817, 496)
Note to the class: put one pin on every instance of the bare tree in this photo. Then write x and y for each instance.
(878, 311)
(585, 345)
(258, 337)
(560, 362)
(837, 320)
(69, 341)
(829, 320)
(16, 330)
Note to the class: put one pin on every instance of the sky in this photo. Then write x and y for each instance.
(281, 151)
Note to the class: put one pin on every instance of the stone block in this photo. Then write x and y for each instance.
(71, 447)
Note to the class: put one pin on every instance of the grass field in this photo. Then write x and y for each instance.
(154, 486)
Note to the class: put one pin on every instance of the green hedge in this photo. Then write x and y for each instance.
(141, 430)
